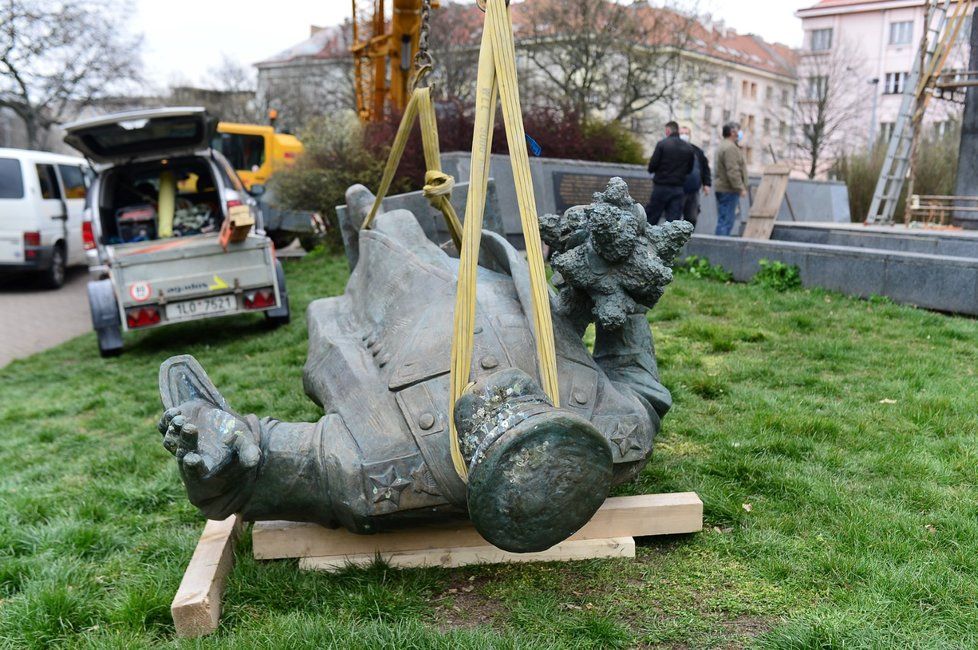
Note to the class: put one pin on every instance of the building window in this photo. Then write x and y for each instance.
(751, 123)
(729, 83)
(943, 128)
(783, 129)
(726, 116)
(708, 115)
(753, 91)
(886, 131)
(745, 89)
(749, 155)
(769, 94)
(818, 87)
(821, 40)
(895, 83)
(901, 33)
(767, 126)
(785, 97)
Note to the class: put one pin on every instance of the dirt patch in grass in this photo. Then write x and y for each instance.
(747, 627)
(465, 604)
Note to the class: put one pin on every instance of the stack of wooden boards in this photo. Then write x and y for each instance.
(196, 608)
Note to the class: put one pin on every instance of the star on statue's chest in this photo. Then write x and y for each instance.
(388, 486)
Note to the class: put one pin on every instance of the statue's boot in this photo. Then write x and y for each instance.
(537, 473)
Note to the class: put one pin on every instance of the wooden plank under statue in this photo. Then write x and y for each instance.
(529, 476)
(610, 533)
(196, 608)
(767, 202)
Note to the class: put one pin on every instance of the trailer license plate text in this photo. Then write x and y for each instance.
(203, 307)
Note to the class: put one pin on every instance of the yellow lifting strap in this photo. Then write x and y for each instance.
(497, 79)
(438, 185)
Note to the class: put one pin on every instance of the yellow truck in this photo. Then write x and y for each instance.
(255, 151)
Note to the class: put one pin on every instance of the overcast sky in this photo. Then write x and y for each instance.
(185, 39)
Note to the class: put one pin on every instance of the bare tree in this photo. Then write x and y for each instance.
(606, 58)
(306, 91)
(831, 98)
(306, 87)
(229, 91)
(58, 57)
(455, 35)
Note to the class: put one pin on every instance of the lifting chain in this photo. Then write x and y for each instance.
(423, 61)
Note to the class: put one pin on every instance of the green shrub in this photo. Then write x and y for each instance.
(778, 276)
(336, 156)
(936, 172)
(700, 267)
(622, 145)
(341, 151)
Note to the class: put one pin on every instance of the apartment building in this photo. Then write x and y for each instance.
(752, 82)
(878, 39)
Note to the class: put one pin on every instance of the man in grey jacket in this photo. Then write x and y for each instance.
(730, 178)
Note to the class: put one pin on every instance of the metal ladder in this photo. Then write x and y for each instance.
(896, 166)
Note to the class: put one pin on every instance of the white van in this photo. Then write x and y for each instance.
(42, 198)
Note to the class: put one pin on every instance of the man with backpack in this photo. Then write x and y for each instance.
(699, 179)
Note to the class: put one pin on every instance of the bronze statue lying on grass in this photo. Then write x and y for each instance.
(379, 359)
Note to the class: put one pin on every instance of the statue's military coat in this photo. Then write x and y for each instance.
(379, 360)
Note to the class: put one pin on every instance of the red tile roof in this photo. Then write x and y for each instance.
(828, 4)
(465, 22)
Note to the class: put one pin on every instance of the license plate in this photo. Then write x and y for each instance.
(202, 307)
(11, 251)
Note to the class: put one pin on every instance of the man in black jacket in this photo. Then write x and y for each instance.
(699, 179)
(671, 164)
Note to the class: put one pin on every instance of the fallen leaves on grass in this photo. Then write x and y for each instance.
(747, 507)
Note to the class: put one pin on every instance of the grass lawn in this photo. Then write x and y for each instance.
(833, 441)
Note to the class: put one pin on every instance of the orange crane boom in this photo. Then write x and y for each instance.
(383, 52)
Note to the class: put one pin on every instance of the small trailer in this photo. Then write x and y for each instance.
(171, 233)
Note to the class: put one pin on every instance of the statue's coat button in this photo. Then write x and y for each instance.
(426, 421)
(477, 330)
(489, 362)
(580, 397)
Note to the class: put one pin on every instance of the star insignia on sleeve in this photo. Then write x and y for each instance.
(626, 438)
(388, 486)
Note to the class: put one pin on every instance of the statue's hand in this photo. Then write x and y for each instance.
(217, 454)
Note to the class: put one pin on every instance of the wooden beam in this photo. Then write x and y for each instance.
(196, 609)
(585, 549)
(767, 202)
(639, 516)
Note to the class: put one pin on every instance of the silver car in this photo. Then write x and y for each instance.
(158, 224)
